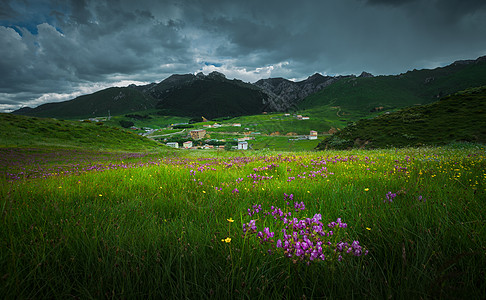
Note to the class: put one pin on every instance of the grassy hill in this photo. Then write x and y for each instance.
(31, 131)
(361, 97)
(114, 101)
(459, 117)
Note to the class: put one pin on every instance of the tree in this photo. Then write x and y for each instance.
(126, 124)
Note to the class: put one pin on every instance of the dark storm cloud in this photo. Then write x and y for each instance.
(91, 44)
(448, 9)
(53, 50)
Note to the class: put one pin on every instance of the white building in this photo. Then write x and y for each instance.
(173, 145)
(313, 135)
(243, 145)
(187, 144)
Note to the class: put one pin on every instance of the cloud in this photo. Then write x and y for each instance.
(53, 49)
(86, 50)
(450, 10)
(246, 74)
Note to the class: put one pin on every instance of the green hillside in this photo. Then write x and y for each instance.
(114, 101)
(459, 117)
(360, 97)
(31, 131)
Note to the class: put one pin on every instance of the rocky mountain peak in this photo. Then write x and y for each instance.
(283, 93)
(315, 76)
(216, 75)
(365, 75)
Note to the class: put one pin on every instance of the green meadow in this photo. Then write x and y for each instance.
(158, 224)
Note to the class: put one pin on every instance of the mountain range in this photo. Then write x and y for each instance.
(214, 95)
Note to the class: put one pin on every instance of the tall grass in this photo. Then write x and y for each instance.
(155, 229)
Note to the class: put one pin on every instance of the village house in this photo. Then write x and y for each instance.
(216, 125)
(299, 117)
(237, 124)
(207, 126)
(313, 135)
(305, 118)
(187, 144)
(243, 145)
(197, 134)
(173, 145)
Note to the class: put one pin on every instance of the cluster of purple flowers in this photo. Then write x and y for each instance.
(250, 227)
(265, 168)
(254, 210)
(338, 223)
(355, 249)
(265, 235)
(290, 179)
(390, 196)
(304, 240)
(277, 213)
(299, 206)
(288, 198)
(257, 177)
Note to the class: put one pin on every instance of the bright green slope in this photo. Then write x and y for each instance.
(459, 117)
(31, 131)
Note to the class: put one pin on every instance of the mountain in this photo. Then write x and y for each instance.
(455, 118)
(284, 94)
(210, 96)
(186, 95)
(114, 101)
(359, 97)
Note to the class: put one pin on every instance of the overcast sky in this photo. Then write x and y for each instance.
(53, 50)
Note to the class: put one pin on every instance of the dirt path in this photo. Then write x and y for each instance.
(168, 134)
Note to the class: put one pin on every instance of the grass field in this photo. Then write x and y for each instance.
(91, 224)
(21, 131)
(459, 117)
